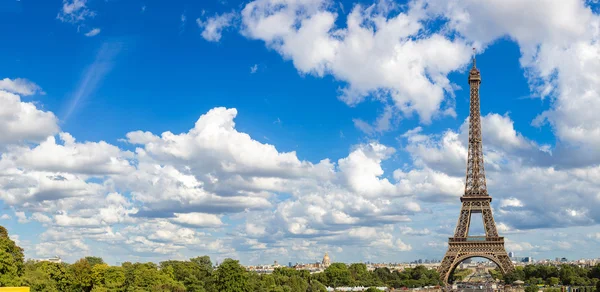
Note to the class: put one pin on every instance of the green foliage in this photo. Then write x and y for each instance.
(570, 275)
(460, 274)
(496, 274)
(193, 273)
(338, 275)
(230, 276)
(372, 289)
(531, 289)
(80, 274)
(147, 277)
(418, 276)
(316, 286)
(11, 261)
(94, 261)
(553, 281)
(37, 279)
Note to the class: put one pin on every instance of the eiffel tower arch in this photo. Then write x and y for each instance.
(475, 200)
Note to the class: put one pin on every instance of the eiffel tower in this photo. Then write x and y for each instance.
(475, 200)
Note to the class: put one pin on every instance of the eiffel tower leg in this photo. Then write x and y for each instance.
(448, 264)
(464, 220)
(446, 267)
(488, 220)
(505, 263)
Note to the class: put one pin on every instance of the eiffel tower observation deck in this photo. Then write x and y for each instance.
(475, 200)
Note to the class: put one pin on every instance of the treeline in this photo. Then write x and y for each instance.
(198, 274)
(565, 274)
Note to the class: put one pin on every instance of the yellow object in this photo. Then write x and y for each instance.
(14, 289)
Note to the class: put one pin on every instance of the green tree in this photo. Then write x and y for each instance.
(496, 274)
(598, 286)
(316, 286)
(192, 274)
(58, 273)
(80, 274)
(36, 279)
(11, 260)
(567, 274)
(298, 284)
(94, 261)
(372, 289)
(517, 274)
(383, 274)
(531, 289)
(230, 276)
(553, 281)
(147, 277)
(203, 262)
(360, 275)
(107, 278)
(338, 275)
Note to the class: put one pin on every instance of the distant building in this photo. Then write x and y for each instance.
(511, 254)
(55, 259)
(326, 261)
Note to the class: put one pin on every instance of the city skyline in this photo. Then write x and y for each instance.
(263, 129)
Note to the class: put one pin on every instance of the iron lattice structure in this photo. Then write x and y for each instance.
(475, 200)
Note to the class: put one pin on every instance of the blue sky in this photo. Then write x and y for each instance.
(278, 130)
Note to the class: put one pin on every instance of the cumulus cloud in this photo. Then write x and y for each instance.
(23, 121)
(20, 86)
(92, 32)
(74, 11)
(390, 57)
(214, 26)
(192, 180)
(198, 219)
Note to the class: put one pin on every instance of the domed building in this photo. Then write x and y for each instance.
(326, 261)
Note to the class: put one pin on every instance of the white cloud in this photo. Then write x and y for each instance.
(214, 26)
(403, 246)
(405, 230)
(73, 157)
(23, 121)
(392, 58)
(362, 168)
(5, 217)
(62, 248)
(511, 202)
(254, 69)
(198, 219)
(92, 32)
(20, 86)
(74, 11)
(22, 218)
(383, 123)
(39, 217)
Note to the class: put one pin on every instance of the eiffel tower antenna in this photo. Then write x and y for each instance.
(475, 200)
